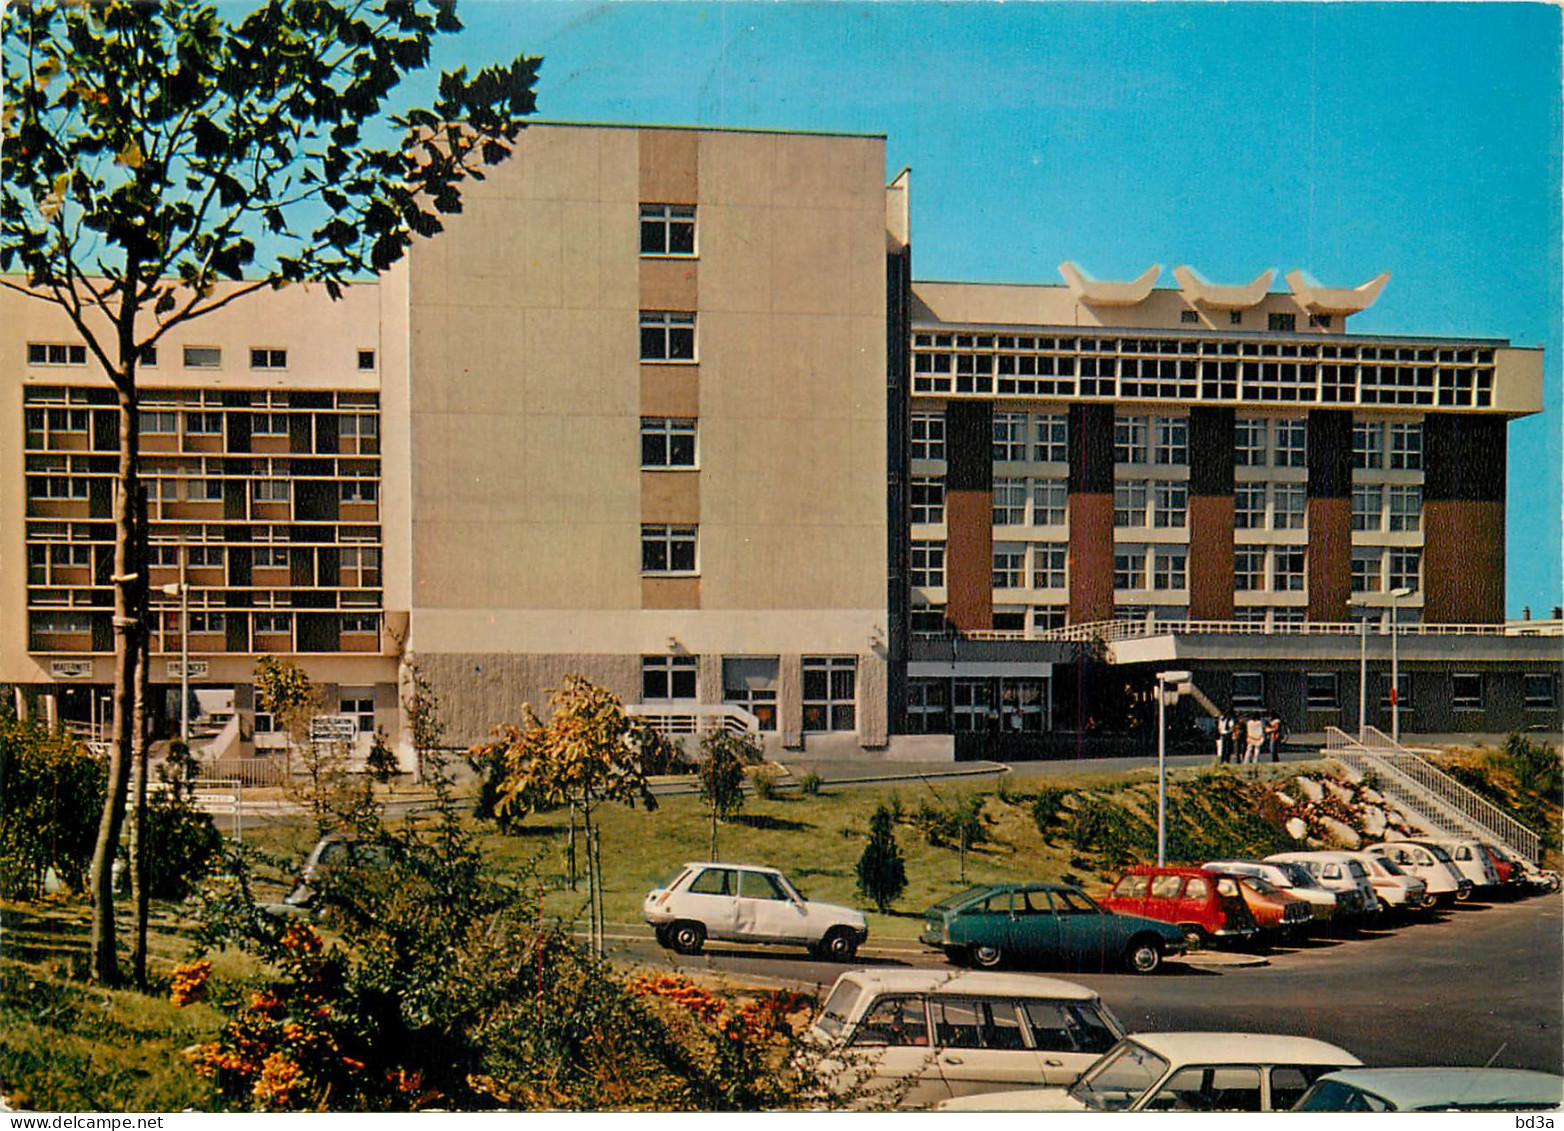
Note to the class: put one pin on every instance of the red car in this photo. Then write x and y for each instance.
(1207, 905)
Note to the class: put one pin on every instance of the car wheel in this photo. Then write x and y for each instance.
(838, 945)
(1143, 956)
(1195, 938)
(664, 938)
(987, 956)
(687, 937)
(1463, 894)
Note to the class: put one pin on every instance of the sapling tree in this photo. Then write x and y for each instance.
(724, 755)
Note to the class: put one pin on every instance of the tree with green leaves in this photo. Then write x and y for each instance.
(381, 761)
(589, 752)
(882, 873)
(723, 758)
(147, 147)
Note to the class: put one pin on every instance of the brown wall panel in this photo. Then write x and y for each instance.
(670, 162)
(1463, 562)
(670, 592)
(1211, 557)
(670, 390)
(1091, 557)
(670, 496)
(969, 559)
(669, 284)
(1329, 558)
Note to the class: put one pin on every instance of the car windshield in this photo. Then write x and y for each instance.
(1297, 875)
(1388, 866)
(1264, 887)
(1120, 1078)
(677, 876)
(1439, 854)
(1333, 1095)
(792, 888)
(839, 1007)
(1356, 870)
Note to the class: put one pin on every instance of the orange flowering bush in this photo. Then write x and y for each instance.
(189, 983)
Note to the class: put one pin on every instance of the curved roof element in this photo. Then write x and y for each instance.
(1196, 290)
(1095, 293)
(1335, 300)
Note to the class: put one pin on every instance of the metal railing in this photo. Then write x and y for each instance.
(694, 718)
(1428, 793)
(1112, 630)
(251, 771)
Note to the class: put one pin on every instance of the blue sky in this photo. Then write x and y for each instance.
(1346, 139)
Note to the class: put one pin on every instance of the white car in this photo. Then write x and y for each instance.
(913, 1037)
(748, 903)
(1184, 1072)
(1397, 890)
(1294, 879)
(1470, 860)
(1429, 863)
(1347, 878)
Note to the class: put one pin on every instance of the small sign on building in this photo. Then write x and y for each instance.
(334, 728)
(198, 669)
(70, 669)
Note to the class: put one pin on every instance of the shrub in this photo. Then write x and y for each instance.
(945, 824)
(811, 784)
(766, 784)
(1046, 809)
(51, 796)
(882, 873)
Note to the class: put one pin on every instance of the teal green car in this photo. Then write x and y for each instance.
(1053, 924)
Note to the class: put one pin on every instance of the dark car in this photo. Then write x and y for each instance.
(333, 859)
(1056, 923)
(1203, 905)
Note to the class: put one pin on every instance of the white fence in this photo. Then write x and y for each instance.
(1111, 630)
(674, 720)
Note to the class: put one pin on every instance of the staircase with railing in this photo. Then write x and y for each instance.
(1428, 794)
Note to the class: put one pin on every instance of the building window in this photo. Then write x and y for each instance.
(1466, 691)
(1541, 691)
(1129, 439)
(751, 682)
(1249, 569)
(1368, 446)
(273, 490)
(268, 424)
(360, 567)
(667, 229)
(972, 705)
(56, 487)
(1045, 617)
(204, 490)
(1248, 690)
(667, 442)
(1404, 569)
(1287, 510)
(1052, 432)
(1009, 566)
(830, 693)
(358, 426)
(154, 423)
(1288, 570)
(928, 501)
(1368, 505)
(1048, 562)
(928, 620)
(1050, 499)
(927, 570)
(1010, 502)
(1249, 506)
(668, 549)
(1172, 447)
(56, 353)
(1406, 447)
(1249, 614)
(667, 336)
(1288, 614)
(204, 622)
(359, 702)
(664, 678)
(262, 358)
(266, 557)
(273, 624)
(203, 357)
(361, 489)
(928, 435)
(1172, 504)
(1129, 503)
(1235, 317)
(203, 424)
(366, 359)
(1320, 691)
(1292, 443)
(1168, 569)
(1406, 508)
(1189, 317)
(1009, 620)
(1368, 570)
(1009, 437)
(1129, 567)
(204, 557)
(1023, 705)
(928, 706)
(1319, 321)
(1283, 323)
(1249, 442)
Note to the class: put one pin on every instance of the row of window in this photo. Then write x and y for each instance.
(161, 422)
(1369, 448)
(193, 357)
(928, 620)
(353, 489)
(1322, 691)
(830, 687)
(978, 705)
(202, 621)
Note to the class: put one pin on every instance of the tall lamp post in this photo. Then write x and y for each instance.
(1395, 667)
(1164, 681)
(181, 589)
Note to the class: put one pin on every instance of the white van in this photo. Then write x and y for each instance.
(915, 1037)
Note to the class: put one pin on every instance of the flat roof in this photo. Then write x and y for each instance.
(706, 129)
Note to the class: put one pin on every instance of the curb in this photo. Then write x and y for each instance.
(1217, 958)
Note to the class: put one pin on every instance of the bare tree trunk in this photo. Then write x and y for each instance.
(105, 962)
(138, 823)
(570, 851)
(711, 853)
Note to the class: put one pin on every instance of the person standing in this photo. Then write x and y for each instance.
(1223, 734)
(1273, 735)
(1254, 730)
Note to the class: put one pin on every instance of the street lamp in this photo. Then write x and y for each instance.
(182, 590)
(1395, 668)
(1164, 679)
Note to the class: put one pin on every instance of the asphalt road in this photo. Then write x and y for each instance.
(1481, 982)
